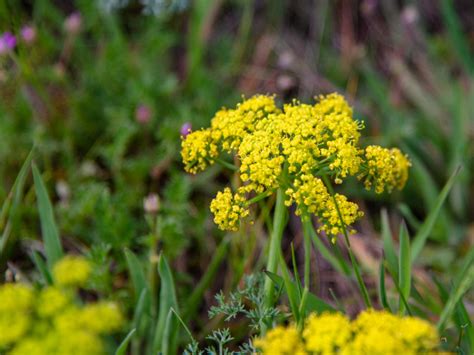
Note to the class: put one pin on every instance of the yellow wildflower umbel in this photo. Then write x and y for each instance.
(72, 271)
(372, 332)
(386, 168)
(52, 320)
(16, 305)
(299, 149)
(326, 333)
(281, 341)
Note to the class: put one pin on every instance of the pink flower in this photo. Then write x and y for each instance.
(73, 23)
(143, 114)
(151, 204)
(7, 42)
(28, 34)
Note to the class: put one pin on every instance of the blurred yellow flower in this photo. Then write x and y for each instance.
(72, 271)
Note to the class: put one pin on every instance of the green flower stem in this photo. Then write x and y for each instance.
(307, 255)
(226, 164)
(355, 265)
(307, 271)
(279, 219)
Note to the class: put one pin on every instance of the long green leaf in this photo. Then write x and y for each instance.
(382, 290)
(313, 303)
(388, 247)
(168, 301)
(337, 263)
(136, 273)
(122, 349)
(49, 229)
(9, 212)
(404, 270)
(41, 267)
(291, 289)
(425, 229)
(462, 284)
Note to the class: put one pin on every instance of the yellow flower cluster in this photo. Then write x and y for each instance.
(312, 197)
(52, 320)
(386, 168)
(281, 341)
(228, 209)
(71, 271)
(373, 332)
(292, 148)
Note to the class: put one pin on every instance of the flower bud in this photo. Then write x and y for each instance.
(186, 129)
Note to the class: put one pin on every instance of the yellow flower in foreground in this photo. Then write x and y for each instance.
(327, 333)
(372, 332)
(401, 335)
(101, 317)
(16, 306)
(49, 321)
(72, 271)
(281, 341)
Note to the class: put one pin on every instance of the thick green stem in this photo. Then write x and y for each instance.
(355, 265)
(275, 245)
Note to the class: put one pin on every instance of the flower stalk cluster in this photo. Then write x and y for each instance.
(294, 148)
(372, 332)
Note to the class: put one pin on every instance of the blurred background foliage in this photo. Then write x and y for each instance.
(103, 105)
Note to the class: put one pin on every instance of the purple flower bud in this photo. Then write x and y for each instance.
(7, 42)
(186, 129)
(143, 114)
(28, 34)
(151, 204)
(73, 23)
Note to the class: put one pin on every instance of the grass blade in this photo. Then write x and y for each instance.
(388, 247)
(313, 302)
(425, 229)
(136, 273)
(9, 212)
(291, 289)
(382, 290)
(462, 284)
(168, 301)
(337, 263)
(42, 267)
(404, 270)
(49, 229)
(122, 349)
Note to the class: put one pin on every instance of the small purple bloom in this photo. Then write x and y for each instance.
(151, 204)
(143, 114)
(7, 42)
(73, 23)
(186, 129)
(28, 34)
